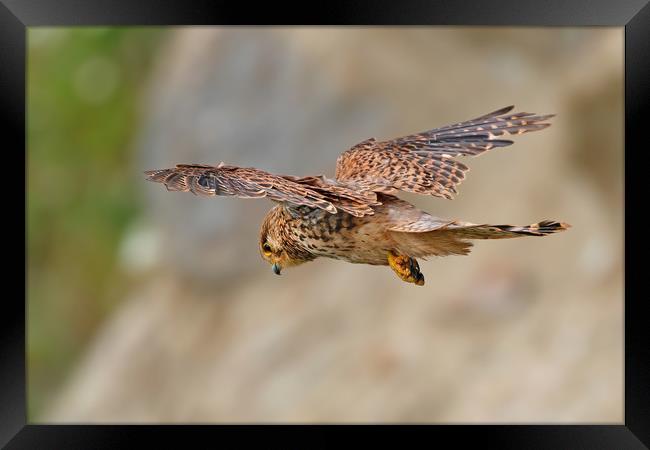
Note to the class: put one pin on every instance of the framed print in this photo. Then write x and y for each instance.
(339, 263)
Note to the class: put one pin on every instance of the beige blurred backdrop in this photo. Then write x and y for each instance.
(193, 325)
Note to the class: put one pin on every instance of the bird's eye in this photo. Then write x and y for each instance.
(266, 247)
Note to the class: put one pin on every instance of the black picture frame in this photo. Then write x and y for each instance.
(633, 15)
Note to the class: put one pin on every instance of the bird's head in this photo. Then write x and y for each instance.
(278, 243)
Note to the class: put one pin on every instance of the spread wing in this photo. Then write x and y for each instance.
(424, 163)
(313, 192)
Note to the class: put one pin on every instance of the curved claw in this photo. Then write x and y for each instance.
(406, 268)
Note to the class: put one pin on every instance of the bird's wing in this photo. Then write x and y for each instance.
(424, 163)
(312, 192)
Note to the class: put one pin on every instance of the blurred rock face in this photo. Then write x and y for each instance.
(525, 330)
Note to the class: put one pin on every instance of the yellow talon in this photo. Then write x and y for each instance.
(406, 268)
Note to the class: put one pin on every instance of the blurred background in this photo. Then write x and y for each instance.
(150, 306)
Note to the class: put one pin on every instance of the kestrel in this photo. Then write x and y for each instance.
(356, 217)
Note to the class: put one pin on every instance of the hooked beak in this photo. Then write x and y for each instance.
(276, 268)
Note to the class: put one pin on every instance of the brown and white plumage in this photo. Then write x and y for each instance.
(314, 192)
(423, 163)
(356, 217)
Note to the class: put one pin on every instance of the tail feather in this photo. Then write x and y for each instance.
(453, 239)
(430, 243)
(542, 228)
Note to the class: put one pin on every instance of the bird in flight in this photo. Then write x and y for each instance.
(356, 216)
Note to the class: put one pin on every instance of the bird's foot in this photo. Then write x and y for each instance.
(406, 268)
